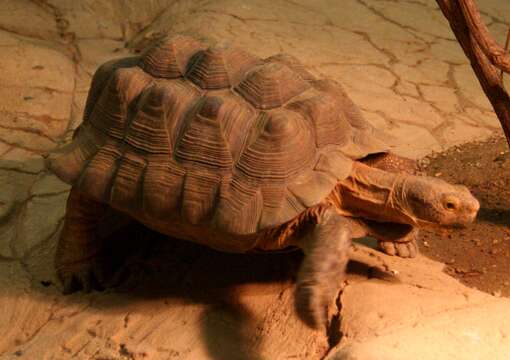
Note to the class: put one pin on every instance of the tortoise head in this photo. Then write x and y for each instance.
(429, 201)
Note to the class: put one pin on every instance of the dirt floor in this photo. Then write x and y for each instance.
(478, 255)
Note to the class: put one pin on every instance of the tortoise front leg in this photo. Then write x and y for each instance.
(80, 244)
(322, 272)
(393, 239)
(405, 246)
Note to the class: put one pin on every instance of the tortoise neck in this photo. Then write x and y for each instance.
(374, 194)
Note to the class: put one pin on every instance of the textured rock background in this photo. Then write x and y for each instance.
(399, 62)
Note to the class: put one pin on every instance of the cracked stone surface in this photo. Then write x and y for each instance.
(436, 319)
(400, 63)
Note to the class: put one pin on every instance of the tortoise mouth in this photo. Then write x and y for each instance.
(455, 226)
(423, 224)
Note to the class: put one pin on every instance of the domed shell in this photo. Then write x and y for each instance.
(213, 136)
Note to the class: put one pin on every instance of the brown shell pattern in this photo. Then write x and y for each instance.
(214, 136)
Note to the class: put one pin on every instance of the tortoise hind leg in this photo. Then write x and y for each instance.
(79, 245)
(322, 272)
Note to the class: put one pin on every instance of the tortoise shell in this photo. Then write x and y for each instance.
(214, 136)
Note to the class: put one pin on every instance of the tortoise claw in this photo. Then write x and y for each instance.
(312, 302)
(407, 249)
(388, 247)
(70, 284)
(82, 277)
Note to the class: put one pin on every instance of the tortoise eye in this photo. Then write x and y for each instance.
(450, 206)
(451, 203)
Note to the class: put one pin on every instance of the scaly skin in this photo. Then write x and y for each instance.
(79, 244)
(422, 201)
(322, 272)
(87, 223)
(406, 245)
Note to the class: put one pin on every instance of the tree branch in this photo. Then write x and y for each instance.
(494, 52)
(482, 64)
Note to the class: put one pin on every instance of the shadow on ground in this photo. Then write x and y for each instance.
(149, 266)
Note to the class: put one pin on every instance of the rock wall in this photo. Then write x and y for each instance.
(399, 62)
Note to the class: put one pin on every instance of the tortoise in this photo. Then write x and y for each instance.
(217, 146)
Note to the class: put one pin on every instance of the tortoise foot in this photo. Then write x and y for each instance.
(313, 300)
(407, 249)
(322, 271)
(82, 260)
(84, 276)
